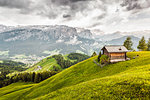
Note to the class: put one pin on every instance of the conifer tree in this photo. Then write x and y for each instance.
(33, 76)
(36, 80)
(128, 43)
(148, 45)
(94, 54)
(142, 45)
(99, 56)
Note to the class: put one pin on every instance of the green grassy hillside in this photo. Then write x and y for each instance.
(14, 87)
(45, 64)
(86, 80)
(49, 62)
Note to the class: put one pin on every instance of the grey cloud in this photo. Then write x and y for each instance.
(66, 16)
(135, 4)
(65, 2)
(71, 7)
(94, 25)
(101, 16)
(20, 4)
(51, 8)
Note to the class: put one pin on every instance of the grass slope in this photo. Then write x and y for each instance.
(122, 86)
(45, 64)
(86, 80)
(13, 88)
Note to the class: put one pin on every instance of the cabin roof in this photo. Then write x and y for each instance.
(115, 48)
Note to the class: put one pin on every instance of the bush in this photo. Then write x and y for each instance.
(94, 54)
(104, 59)
(134, 51)
(99, 56)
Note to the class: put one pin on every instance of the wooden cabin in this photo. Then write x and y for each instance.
(115, 53)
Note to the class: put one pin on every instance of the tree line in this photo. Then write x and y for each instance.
(77, 57)
(24, 77)
(12, 66)
(62, 62)
(142, 46)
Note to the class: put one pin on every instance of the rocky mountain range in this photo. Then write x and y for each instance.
(44, 40)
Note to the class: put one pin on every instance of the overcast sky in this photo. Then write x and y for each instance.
(105, 15)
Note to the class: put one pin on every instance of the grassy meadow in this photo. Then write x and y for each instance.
(49, 63)
(86, 80)
(45, 64)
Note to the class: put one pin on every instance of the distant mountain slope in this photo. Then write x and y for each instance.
(33, 43)
(86, 80)
(51, 63)
(109, 37)
(139, 34)
(42, 41)
(120, 41)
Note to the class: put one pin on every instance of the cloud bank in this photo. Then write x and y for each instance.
(107, 15)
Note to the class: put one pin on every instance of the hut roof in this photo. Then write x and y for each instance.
(115, 48)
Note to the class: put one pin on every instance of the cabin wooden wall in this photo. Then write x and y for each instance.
(105, 52)
(118, 55)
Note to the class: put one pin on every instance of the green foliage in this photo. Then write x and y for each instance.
(58, 62)
(67, 63)
(134, 50)
(99, 56)
(12, 66)
(128, 43)
(56, 69)
(87, 81)
(45, 64)
(142, 45)
(104, 59)
(148, 45)
(24, 77)
(94, 54)
(77, 56)
(62, 62)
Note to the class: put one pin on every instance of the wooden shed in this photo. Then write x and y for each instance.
(115, 53)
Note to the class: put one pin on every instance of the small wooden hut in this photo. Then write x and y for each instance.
(115, 53)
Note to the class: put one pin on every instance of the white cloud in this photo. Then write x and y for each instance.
(105, 15)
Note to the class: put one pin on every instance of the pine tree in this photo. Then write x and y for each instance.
(128, 43)
(99, 56)
(148, 45)
(36, 79)
(142, 45)
(33, 77)
(94, 54)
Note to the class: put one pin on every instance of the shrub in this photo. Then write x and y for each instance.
(134, 51)
(99, 56)
(94, 54)
(104, 59)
